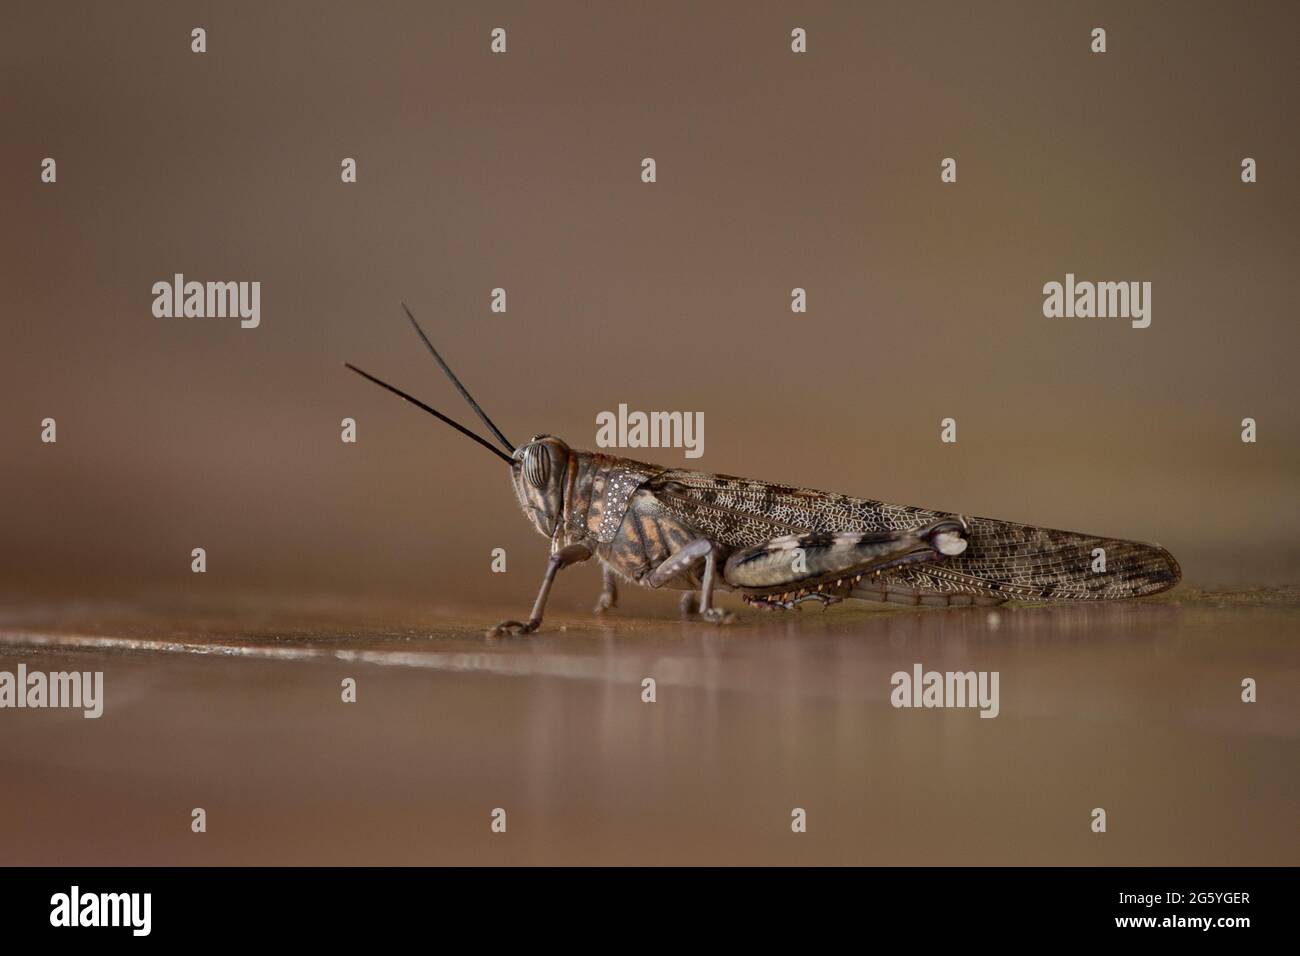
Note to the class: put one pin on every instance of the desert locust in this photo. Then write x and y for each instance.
(780, 546)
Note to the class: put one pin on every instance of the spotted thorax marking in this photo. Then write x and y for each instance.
(619, 486)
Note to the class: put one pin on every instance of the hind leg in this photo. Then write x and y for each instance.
(786, 571)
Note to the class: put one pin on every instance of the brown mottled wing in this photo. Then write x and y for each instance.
(1003, 560)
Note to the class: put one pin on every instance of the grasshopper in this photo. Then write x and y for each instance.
(780, 546)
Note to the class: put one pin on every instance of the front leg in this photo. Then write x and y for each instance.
(573, 554)
(684, 560)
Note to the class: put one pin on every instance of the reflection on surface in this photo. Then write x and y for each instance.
(1133, 707)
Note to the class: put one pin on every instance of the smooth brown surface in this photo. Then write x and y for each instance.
(1131, 707)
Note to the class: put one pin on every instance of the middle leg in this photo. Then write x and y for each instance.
(685, 560)
(608, 590)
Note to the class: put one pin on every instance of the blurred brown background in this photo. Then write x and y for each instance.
(522, 171)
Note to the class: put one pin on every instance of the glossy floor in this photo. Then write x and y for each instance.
(1135, 708)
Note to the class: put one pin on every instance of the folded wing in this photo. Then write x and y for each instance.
(1004, 559)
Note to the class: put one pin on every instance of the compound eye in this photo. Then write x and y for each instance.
(537, 467)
